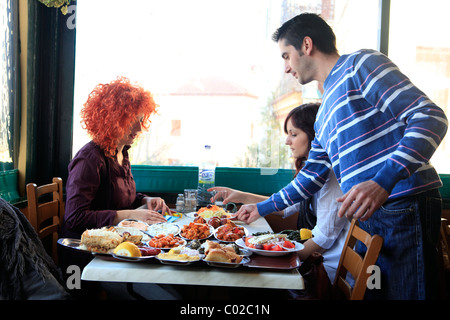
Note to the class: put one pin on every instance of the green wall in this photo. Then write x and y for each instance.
(174, 179)
(168, 179)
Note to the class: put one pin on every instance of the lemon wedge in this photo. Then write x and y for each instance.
(127, 249)
(305, 234)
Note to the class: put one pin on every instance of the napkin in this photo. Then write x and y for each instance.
(175, 216)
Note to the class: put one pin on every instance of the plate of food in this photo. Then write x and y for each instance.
(166, 241)
(75, 244)
(196, 231)
(164, 228)
(104, 241)
(223, 255)
(133, 223)
(230, 232)
(128, 251)
(222, 264)
(211, 210)
(179, 256)
(272, 244)
(133, 234)
(98, 241)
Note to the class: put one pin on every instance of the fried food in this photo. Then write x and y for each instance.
(220, 253)
(194, 230)
(101, 240)
(230, 232)
(163, 241)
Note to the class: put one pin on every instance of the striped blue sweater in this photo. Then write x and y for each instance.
(373, 124)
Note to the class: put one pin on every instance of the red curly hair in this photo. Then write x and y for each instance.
(112, 109)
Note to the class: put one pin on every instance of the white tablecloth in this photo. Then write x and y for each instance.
(105, 269)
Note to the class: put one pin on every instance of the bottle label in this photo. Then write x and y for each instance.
(206, 176)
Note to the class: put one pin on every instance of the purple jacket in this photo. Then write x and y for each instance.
(97, 186)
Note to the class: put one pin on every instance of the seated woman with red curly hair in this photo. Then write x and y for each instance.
(100, 188)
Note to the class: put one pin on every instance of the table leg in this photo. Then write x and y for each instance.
(133, 293)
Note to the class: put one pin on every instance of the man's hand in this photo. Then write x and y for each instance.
(247, 213)
(362, 200)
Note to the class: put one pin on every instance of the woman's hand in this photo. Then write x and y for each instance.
(236, 196)
(247, 213)
(156, 204)
(145, 215)
(227, 194)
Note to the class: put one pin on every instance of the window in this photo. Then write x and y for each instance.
(176, 128)
(422, 52)
(213, 69)
(9, 105)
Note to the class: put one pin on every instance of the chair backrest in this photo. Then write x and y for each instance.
(46, 210)
(444, 243)
(350, 261)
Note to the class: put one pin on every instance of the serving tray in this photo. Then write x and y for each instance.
(286, 262)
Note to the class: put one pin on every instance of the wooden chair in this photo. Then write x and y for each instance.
(444, 258)
(352, 262)
(445, 239)
(46, 211)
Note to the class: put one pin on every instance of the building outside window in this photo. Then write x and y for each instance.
(218, 76)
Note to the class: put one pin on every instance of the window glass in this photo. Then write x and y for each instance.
(7, 89)
(213, 69)
(420, 46)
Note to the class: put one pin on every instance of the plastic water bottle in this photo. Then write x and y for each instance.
(180, 203)
(206, 177)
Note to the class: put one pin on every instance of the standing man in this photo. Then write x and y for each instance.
(377, 131)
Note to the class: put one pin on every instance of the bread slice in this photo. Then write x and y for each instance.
(222, 254)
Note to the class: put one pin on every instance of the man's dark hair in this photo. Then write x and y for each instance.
(311, 25)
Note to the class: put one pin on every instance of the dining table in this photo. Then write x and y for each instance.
(280, 272)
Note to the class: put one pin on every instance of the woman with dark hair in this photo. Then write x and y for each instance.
(100, 188)
(318, 214)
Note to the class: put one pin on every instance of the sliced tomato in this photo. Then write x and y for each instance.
(288, 244)
(267, 246)
(277, 248)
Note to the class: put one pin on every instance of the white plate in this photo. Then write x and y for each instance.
(76, 245)
(211, 232)
(129, 223)
(227, 264)
(134, 232)
(165, 228)
(133, 259)
(298, 247)
(193, 215)
(217, 229)
(179, 262)
(181, 245)
(176, 262)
